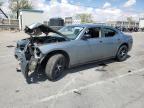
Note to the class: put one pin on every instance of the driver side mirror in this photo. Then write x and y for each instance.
(86, 36)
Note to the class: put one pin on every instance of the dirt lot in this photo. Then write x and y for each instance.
(109, 84)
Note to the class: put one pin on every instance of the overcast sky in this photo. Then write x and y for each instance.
(101, 10)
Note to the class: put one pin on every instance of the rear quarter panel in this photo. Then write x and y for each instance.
(120, 39)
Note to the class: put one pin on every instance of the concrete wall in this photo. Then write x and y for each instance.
(9, 24)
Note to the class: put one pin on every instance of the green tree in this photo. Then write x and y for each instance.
(16, 5)
(130, 20)
(85, 18)
(1, 3)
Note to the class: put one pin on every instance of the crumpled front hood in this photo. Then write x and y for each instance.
(38, 28)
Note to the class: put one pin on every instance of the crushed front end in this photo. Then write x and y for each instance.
(29, 59)
(27, 51)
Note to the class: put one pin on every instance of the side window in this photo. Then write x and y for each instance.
(94, 32)
(108, 32)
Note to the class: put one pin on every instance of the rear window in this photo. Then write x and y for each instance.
(108, 32)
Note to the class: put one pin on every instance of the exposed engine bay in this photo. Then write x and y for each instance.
(46, 39)
(31, 44)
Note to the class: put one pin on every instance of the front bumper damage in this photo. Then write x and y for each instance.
(28, 66)
(27, 51)
(17, 53)
(24, 64)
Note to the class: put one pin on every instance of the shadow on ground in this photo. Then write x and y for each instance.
(40, 76)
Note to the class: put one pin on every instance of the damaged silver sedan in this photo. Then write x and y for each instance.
(54, 51)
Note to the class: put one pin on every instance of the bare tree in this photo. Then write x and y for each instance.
(16, 5)
(130, 20)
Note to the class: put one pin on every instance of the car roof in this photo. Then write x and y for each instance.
(93, 25)
(89, 25)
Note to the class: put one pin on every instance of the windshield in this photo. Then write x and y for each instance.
(70, 32)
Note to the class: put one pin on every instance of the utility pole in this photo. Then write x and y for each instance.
(17, 9)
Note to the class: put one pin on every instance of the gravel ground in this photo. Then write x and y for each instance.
(109, 84)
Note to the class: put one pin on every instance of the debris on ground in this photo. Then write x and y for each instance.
(10, 46)
(18, 69)
(129, 71)
(113, 81)
(17, 91)
(102, 64)
(77, 92)
(101, 69)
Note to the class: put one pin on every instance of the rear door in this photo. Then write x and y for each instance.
(108, 42)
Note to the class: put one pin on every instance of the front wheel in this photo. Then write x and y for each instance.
(55, 66)
(122, 53)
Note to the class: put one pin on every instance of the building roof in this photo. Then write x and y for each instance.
(31, 10)
(93, 25)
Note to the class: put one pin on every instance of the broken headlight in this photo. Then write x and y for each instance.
(37, 53)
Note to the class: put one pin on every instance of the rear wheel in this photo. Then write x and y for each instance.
(122, 53)
(55, 66)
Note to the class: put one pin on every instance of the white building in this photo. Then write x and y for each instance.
(28, 16)
(141, 23)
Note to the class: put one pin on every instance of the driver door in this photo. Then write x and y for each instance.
(81, 51)
(95, 43)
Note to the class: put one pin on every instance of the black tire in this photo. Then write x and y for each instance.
(55, 66)
(122, 53)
